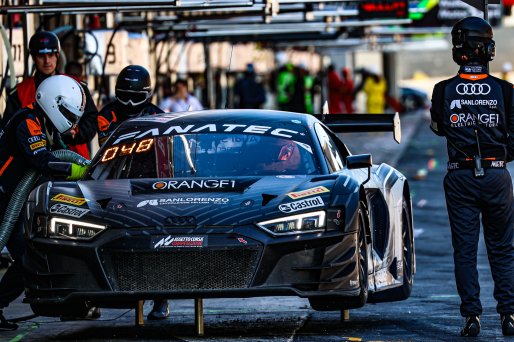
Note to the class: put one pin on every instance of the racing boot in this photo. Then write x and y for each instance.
(507, 324)
(5, 325)
(160, 310)
(472, 327)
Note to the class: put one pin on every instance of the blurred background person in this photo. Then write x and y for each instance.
(182, 100)
(348, 88)
(335, 91)
(286, 80)
(375, 88)
(506, 69)
(248, 91)
(308, 89)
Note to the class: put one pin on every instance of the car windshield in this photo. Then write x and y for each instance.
(206, 155)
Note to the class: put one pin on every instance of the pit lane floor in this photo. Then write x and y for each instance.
(431, 314)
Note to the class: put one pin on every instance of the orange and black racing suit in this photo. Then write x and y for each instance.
(23, 145)
(114, 113)
(23, 96)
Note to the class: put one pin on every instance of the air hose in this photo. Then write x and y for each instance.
(22, 190)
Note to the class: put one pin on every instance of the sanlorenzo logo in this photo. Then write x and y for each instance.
(473, 88)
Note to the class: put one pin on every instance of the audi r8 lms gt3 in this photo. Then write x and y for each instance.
(223, 203)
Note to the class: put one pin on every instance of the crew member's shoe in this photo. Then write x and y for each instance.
(507, 324)
(472, 327)
(160, 310)
(94, 313)
(5, 325)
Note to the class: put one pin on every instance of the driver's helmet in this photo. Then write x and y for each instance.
(43, 42)
(133, 86)
(285, 156)
(63, 101)
(472, 40)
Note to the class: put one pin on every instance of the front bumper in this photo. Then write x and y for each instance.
(121, 266)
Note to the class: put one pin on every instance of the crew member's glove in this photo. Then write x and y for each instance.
(77, 172)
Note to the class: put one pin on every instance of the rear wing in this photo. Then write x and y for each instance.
(350, 123)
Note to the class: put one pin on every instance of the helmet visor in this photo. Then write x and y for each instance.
(74, 119)
(132, 97)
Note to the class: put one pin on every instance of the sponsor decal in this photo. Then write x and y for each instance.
(497, 163)
(308, 192)
(34, 139)
(453, 166)
(34, 128)
(37, 145)
(472, 119)
(69, 199)
(472, 69)
(68, 210)
(285, 176)
(210, 128)
(473, 88)
(183, 200)
(243, 241)
(247, 203)
(474, 102)
(181, 242)
(192, 185)
(301, 205)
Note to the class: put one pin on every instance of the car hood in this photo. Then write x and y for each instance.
(195, 201)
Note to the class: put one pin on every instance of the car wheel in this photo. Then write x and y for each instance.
(404, 291)
(342, 303)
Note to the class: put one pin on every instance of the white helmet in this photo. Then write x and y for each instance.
(63, 100)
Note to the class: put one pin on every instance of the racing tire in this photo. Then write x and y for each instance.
(404, 291)
(331, 303)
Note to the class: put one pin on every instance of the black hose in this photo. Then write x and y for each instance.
(22, 191)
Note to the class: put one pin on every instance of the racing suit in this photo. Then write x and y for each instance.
(23, 145)
(114, 113)
(23, 95)
(473, 110)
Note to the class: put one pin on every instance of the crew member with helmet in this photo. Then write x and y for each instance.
(133, 95)
(44, 47)
(473, 111)
(60, 103)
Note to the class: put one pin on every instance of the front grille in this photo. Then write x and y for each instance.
(181, 269)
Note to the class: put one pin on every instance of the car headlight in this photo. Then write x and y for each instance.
(71, 229)
(295, 224)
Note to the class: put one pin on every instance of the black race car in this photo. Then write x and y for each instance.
(223, 203)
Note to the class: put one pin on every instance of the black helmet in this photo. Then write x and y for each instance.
(472, 40)
(133, 86)
(44, 42)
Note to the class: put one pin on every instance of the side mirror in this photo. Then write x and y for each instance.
(60, 170)
(360, 161)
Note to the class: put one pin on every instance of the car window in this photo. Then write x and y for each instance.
(329, 148)
(206, 155)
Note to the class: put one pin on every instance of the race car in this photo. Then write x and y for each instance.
(223, 203)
